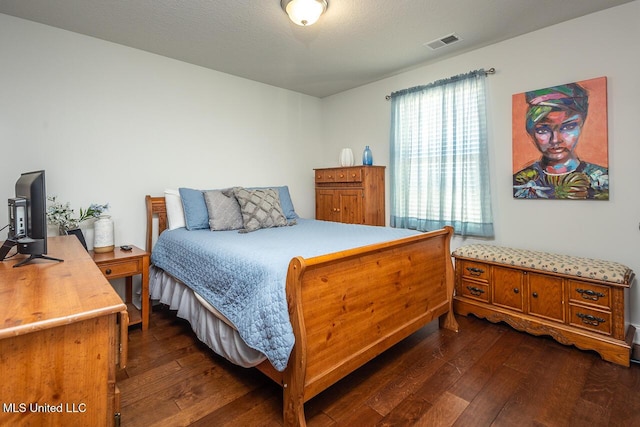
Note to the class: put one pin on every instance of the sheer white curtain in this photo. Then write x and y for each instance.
(439, 159)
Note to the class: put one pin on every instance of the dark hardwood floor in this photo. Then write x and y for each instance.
(485, 375)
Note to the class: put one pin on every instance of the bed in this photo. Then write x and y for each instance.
(343, 308)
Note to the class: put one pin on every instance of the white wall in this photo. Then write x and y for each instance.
(111, 124)
(601, 44)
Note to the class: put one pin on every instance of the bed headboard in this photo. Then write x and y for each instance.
(156, 208)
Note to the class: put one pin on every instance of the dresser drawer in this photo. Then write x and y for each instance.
(339, 175)
(349, 175)
(591, 319)
(589, 293)
(475, 270)
(121, 269)
(475, 290)
(328, 175)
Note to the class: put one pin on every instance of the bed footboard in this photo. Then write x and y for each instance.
(348, 307)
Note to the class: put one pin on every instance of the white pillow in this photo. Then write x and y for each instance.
(175, 211)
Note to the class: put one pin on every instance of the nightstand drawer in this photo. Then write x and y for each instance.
(121, 269)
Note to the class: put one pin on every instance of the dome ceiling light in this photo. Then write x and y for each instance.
(304, 12)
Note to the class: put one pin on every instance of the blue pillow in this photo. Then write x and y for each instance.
(196, 215)
(285, 201)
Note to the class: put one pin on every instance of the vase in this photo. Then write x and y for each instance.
(103, 235)
(367, 157)
(346, 157)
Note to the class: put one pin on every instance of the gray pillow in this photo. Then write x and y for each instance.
(260, 208)
(224, 210)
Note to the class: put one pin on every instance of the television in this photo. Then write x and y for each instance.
(28, 219)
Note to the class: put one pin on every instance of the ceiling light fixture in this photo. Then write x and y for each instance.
(304, 12)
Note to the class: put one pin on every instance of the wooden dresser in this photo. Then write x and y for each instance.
(577, 301)
(353, 194)
(62, 337)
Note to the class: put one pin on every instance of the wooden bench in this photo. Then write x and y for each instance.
(577, 301)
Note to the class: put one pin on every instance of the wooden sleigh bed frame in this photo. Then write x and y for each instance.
(348, 307)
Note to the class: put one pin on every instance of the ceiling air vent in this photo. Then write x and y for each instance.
(443, 41)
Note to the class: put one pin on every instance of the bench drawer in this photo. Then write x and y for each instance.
(475, 270)
(591, 319)
(475, 290)
(590, 293)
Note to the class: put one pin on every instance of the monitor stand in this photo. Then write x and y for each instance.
(34, 257)
(9, 243)
(6, 247)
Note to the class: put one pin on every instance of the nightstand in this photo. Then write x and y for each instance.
(118, 264)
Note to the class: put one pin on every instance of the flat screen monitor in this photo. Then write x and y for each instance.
(28, 218)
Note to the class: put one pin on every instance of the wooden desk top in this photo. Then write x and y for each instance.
(45, 294)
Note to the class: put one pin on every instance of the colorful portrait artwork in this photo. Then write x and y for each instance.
(560, 142)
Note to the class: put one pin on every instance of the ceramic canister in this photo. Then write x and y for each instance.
(103, 234)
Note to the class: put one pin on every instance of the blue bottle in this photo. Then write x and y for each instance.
(367, 158)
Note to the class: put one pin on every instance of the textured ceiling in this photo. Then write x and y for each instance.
(355, 42)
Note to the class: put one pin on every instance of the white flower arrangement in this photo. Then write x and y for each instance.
(62, 215)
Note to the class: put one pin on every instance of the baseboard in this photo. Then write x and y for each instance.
(635, 353)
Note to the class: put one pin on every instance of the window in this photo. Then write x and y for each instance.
(439, 160)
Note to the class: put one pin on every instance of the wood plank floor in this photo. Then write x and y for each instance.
(485, 375)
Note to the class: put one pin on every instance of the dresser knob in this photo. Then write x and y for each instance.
(516, 290)
(107, 271)
(535, 295)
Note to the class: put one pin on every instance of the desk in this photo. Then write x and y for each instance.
(62, 335)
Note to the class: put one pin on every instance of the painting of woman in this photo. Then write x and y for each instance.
(554, 120)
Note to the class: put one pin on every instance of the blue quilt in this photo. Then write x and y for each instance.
(243, 275)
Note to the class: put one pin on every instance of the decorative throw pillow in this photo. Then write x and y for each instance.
(224, 210)
(285, 200)
(260, 208)
(175, 212)
(195, 209)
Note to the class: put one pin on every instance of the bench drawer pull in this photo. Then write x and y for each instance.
(475, 271)
(589, 319)
(589, 294)
(475, 291)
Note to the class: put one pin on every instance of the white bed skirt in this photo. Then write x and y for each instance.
(211, 327)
